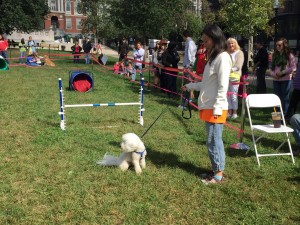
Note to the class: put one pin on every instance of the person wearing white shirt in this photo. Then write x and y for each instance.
(138, 56)
(188, 62)
(212, 100)
(189, 50)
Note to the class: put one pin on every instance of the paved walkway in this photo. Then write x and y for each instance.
(110, 52)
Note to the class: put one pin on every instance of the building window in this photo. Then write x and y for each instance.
(77, 9)
(68, 6)
(53, 5)
(68, 23)
(78, 24)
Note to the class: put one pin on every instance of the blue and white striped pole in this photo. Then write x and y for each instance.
(141, 119)
(61, 100)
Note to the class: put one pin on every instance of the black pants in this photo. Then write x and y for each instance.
(171, 82)
(295, 99)
(261, 80)
(163, 80)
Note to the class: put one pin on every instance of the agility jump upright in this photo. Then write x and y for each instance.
(62, 113)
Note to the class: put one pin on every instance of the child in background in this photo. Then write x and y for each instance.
(116, 68)
(129, 70)
(119, 68)
(31, 45)
(22, 47)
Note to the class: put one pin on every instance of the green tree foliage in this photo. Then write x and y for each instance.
(25, 15)
(149, 18)
(99, 20)
(246, 17)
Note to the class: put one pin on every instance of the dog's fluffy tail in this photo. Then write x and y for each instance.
(109, 160)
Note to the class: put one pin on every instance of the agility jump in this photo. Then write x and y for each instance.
(63, 106)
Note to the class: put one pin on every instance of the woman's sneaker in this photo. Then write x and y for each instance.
(212, 180)
(234, 116)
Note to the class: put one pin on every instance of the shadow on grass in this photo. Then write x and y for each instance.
(178, 116)
(171, 160)
(238, 153)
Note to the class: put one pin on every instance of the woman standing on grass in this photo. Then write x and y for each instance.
(212, 101)
(237, 57)
(282, 67)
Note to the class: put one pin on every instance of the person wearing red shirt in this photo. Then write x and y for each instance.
(3, 47)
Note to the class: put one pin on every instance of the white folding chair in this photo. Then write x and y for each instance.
(267, 101)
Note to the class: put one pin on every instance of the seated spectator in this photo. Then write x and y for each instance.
(130, 70)
(34, 60)
(295, 97)
(116, 67)
(295, 124)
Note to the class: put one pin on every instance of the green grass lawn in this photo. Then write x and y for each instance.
(51, 177)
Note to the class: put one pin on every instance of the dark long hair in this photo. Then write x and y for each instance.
(216, 34)
(286, 49)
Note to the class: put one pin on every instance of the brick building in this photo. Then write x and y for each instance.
(64, 17)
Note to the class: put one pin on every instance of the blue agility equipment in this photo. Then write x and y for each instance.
(3, 64)
(62, 112)
(82, 81)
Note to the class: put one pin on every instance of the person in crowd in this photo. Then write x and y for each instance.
(119, 68)
(31, 46)
(116, 67)
(123, 49)
(87, 47)
(261, 66)
(76, 49)
(200, 59)
(237, 57)
(212, 100)
(170, 58)
(155, 55)
(283, 65)
(138, 56)
(295, 97)
(162, 73)
(3, 47)
(245, 70)
(22, 47)
(295, 124)
(34, 60)
(99, 48)
(188, 61)
(129, 70)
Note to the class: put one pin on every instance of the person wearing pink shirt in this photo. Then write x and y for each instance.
(282, 68)
(3, 47)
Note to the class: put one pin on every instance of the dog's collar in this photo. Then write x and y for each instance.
(140, 153)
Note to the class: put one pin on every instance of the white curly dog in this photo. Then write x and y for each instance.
(134, 152)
